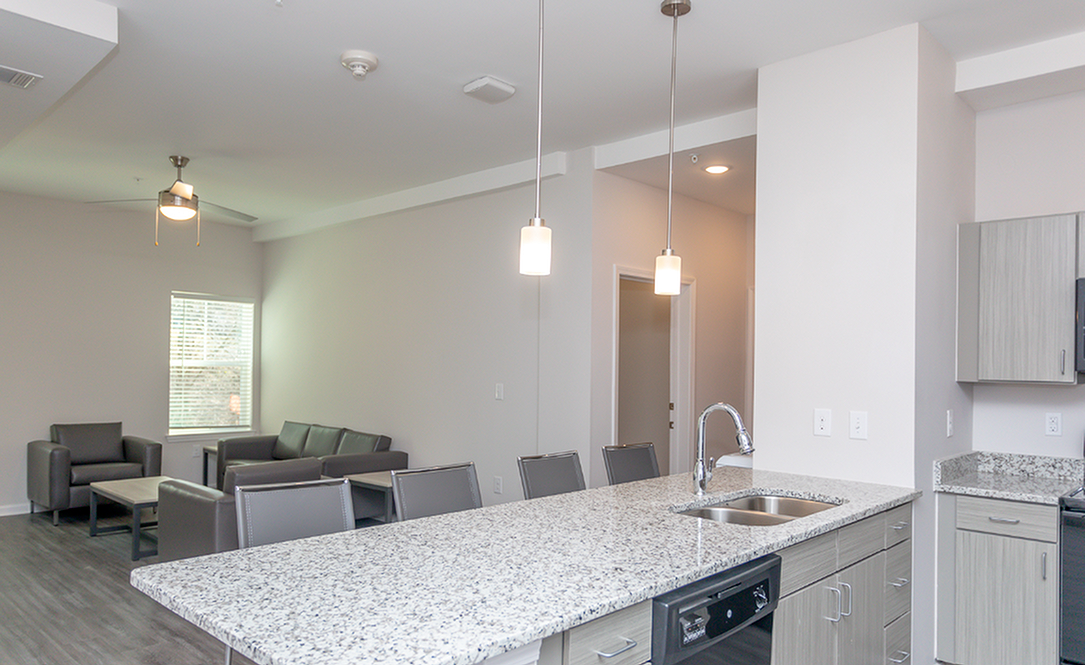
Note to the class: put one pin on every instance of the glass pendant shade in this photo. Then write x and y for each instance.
(177, 207)
(535, 248)
(668, 274)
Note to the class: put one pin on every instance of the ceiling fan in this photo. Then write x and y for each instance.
(180, 202)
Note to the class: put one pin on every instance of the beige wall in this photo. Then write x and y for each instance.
(84, 331)
(630, 224)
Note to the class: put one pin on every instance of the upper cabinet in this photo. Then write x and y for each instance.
(1016, 300)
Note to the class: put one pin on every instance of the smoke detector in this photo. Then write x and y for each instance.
(359, 63)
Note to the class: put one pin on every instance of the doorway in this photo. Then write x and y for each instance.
(644, 368)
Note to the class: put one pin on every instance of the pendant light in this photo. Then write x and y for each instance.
(668, 280)
(535, 237)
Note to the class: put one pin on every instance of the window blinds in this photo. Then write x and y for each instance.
(211, 358)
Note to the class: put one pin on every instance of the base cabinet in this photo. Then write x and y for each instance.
(859, 613)
(1007, 600)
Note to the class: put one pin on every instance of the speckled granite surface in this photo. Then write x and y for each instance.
(1028, 478)
(455, 589)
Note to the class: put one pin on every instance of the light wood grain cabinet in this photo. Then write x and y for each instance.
(1006, 586)
(842, 591)
(1015, 300)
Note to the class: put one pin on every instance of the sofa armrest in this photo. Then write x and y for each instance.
(194, 520)
(146, 452)
(243, 447)
(338, 466)
(48, 474)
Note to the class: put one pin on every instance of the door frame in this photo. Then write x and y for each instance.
(682, 356)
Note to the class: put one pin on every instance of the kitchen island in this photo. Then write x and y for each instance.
(456, 589)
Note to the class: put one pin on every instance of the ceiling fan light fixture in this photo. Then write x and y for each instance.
(177, 207)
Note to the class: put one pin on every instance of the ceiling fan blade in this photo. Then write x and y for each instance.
(121, 201)
(228, 211)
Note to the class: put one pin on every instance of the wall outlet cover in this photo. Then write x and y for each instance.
(823, 422)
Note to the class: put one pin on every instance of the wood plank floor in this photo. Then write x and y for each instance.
(65, 599)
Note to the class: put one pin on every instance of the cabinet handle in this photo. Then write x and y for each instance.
(1062, 364)
(848, 613)
(1043, 565)
(1004, 520)
(899, 525)
(839, 616)
(903, 658)
(900, 582)
(629, 644)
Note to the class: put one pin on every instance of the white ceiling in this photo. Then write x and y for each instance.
(254, 93)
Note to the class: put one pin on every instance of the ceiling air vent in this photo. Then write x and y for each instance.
(17, 78)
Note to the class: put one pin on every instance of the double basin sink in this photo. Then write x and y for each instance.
(760, 510)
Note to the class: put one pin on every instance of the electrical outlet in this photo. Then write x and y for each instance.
(196, 450)
(499, 486)
(1053, 424)
(949, 423)
(823, 422)
(499, 391)
(857, 425)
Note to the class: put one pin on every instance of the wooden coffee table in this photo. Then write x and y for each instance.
(136, 494)
(380, 481)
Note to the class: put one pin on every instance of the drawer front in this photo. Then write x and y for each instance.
(1008, 518)
(898, 581)
(807, 562)
(898, 641)
(898, 525)
(860, 540)
(610, 634)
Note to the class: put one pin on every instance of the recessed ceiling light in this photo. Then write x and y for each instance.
(716, 169)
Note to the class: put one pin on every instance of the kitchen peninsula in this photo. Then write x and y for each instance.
(456, 589)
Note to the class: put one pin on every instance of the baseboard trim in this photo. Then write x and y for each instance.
(15, 509)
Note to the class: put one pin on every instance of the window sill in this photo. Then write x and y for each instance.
(206, 434)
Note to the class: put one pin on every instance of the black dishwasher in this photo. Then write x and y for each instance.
(723, 619)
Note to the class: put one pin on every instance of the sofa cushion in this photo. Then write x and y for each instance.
(291, 440)
(85, 474)
(90, 443)
(358, 442)
(321, 441)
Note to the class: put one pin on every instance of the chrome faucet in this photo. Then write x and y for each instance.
(702, 472)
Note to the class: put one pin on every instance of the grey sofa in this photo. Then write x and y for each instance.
(59, 471)
(341, 451)
(195, 520)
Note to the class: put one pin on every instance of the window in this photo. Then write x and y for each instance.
(210, 363)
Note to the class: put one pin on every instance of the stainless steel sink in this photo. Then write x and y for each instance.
(779, 505)
(759, 510)
(735, 516)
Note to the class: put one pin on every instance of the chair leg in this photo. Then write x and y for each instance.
(229, 655)
(56, 517)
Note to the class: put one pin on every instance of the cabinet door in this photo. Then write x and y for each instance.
(861, 636)
(1007, 600)
(802, 629)
(1027, 272)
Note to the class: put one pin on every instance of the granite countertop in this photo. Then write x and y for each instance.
(455, 589)
(1027, 478)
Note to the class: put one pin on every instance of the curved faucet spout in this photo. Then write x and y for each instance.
(702, 470)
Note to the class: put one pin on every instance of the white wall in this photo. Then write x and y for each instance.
(630, 230)
(836, 258)
(84, 331)
(945, 199)
(1029, 161)
(403, 325)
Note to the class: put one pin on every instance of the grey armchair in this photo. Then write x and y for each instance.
(59, 471)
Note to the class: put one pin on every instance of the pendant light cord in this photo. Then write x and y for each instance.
(670, 149)
(538, 134)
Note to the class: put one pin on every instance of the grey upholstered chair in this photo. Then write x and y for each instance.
(287, 511)
(435, 490)
(553, 473)
(59, 471)
(629, 462)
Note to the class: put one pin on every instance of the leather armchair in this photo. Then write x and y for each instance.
(194, 520)
(59, 471)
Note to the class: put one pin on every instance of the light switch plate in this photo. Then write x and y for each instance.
(857, 425)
